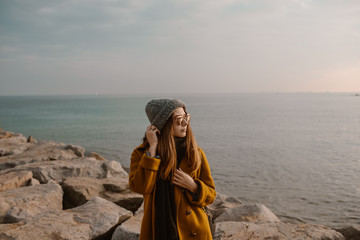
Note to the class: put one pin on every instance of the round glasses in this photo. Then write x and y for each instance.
(182, 120)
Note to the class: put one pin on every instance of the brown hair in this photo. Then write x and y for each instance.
(167, 150)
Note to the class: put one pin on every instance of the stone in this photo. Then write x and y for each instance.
(46, 171)
(221, 203)
(33, 182)
(79, 151)
(129, 230)
(278, 231)
(14, 180)
(30, 139)
(13, 144)
(6, 134)
(248, 213)
(140, 210)
(101, 215)
(97, 156)
(78, 190)
(93, 220)
(46, 151)
(350, 233)
(26, 202)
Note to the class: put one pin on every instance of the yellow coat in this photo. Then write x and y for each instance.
(192, 222)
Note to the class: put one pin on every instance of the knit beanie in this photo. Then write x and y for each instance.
(158, 111)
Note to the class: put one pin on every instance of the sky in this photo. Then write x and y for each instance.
(51, 47)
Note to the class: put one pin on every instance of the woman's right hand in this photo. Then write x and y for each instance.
(151, 136)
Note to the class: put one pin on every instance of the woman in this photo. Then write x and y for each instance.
(173, 175)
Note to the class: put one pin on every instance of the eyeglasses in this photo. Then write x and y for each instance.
(182, 120)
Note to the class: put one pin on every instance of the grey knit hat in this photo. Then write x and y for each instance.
(158, 111)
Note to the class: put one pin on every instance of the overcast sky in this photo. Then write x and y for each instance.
(178, 46)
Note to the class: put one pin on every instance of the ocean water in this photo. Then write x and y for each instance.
(297, 153)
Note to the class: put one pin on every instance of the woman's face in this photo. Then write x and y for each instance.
(179, 129)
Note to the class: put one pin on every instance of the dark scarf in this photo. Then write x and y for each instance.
(165, 210)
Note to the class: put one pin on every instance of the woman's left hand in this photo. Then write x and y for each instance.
(182, 179)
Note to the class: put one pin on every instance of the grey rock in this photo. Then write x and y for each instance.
(30, 139)
(47, 151)
(248, 213)
(78, 150)
(350, 233)
(46, 171)
(221, 203)
(92, 220)
(6, 134)
(33, 182)
(13, 144)
(278, 231)
(97, 156)
(129, 230)
(14, 180)
(116, 189)
(26, 202)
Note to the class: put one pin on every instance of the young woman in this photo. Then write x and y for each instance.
(173, 175)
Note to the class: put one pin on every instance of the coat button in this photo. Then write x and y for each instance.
(188, 212)
(193, 234)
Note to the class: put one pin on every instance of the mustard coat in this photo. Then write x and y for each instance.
(192, 221)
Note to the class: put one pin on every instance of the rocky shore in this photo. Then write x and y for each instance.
(51, 190)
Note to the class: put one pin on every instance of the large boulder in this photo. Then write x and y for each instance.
(248, 213)
(79, 190)
(11, 143)
(46, 171)
(130, 229)
(278, 231)
(26, 202)
(223, 202)
(47, 151)
(6, 134)
(93, 220)
(14, 180)
(350, 233)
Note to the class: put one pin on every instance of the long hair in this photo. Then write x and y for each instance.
(167, 150)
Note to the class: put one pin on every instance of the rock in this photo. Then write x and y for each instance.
(14, 180)
(41, 152)
(33, 182)
(101, 215)
(97, 156)
(248, 213)
(92, 220)
(129, 230)
(26, 202)
(31, 140)
(350, 233)
(221, 203)
(7, 227)
(278, 231)
(46, 171)
(79, 151)
(79, 190)
(140, 210)
(13, 144)
(6, 134)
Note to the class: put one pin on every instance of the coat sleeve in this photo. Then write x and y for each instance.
(143, 172)
(206, 192)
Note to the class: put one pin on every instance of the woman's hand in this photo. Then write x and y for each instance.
(152, 138)
(182, 179)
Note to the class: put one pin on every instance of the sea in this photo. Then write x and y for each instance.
(296, 153)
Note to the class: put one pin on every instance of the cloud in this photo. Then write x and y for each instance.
(229, 45)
